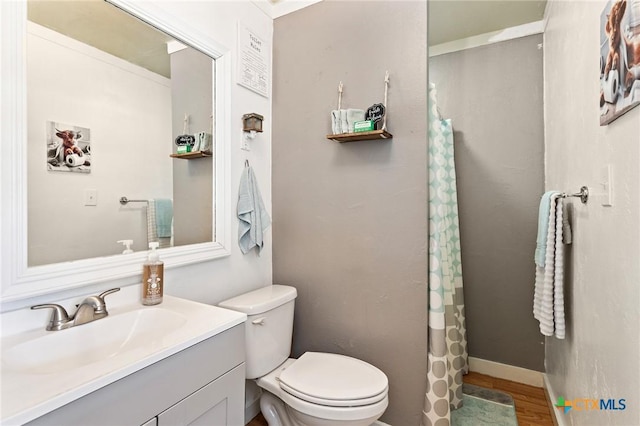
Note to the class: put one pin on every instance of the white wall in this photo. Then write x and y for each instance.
(599, 357)
(128, 111)
(213, 281)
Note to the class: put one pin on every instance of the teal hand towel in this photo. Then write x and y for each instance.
(253, 217)
(543, 227)
(164, 217)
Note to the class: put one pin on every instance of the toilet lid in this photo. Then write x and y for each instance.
(334, 380)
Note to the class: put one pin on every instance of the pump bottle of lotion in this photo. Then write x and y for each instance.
(152, 277)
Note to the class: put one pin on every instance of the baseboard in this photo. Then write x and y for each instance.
(557, 417)
(251, 410)
(507, 372)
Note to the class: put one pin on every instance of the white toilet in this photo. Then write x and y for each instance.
(317, 389)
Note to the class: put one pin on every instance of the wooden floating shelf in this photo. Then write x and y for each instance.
(361, 136)
(192, 155)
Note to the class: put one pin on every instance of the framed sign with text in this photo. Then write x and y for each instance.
(253, 61)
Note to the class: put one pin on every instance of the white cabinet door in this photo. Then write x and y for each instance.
(220, 403)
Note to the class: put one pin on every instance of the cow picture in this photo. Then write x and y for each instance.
(619, 59)
(68, 148)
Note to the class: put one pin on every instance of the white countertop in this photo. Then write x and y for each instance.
(32, 391)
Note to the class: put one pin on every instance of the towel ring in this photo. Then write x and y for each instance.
(583, 194)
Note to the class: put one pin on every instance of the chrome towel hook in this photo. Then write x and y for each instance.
(583, 194)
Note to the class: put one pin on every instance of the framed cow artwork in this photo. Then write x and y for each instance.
(619, 59)
(68, 148)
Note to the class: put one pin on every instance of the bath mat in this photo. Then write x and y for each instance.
(483, 406)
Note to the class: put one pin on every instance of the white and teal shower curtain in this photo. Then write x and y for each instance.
(447, 347)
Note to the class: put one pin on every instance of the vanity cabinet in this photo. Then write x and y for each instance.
(200, 385)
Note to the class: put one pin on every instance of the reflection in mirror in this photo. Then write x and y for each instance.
(107, 95)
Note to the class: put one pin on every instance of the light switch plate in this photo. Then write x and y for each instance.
(606, 180)
(91, 197)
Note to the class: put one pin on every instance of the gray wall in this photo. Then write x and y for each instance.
(494, 96)
(349, 220)
(192, 92)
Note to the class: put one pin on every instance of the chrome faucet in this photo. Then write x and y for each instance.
(92, 308)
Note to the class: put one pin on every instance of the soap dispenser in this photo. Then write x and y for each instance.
(127, 246)
(152, 277)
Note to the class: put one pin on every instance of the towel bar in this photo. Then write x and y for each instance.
(583, 194)
(124, 201)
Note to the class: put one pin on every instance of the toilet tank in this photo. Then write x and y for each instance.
(269, 326)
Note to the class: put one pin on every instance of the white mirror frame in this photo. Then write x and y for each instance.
(18, 281)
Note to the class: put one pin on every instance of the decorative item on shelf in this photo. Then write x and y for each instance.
(185, 141)
(194, 146)
(252, 122)
(364, 126)
(359, 125)
(184, 149)
(203, 142)
(375, 113)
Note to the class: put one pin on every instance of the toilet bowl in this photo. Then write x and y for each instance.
(317, 389)
(302, 405)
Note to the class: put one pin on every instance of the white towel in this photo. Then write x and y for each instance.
(253, 217)
(336, 124)
(548, 299)
(558, 275)
(343, 121)
(354, 115)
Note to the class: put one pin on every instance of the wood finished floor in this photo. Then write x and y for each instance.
(531, 403)
(258, 421)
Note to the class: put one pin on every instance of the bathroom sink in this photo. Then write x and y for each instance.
(44, 370)
(93, 342)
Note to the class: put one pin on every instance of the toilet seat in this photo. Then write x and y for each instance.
(330, 413)
(272, 383)
(334, 402)
(334, 380)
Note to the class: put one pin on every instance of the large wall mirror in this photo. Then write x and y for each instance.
(105, 90)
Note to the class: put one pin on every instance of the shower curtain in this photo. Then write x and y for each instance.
(447, 342)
